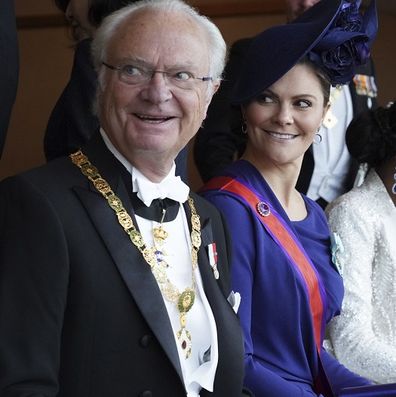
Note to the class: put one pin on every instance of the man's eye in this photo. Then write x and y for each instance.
(182, 76)
(130, 70)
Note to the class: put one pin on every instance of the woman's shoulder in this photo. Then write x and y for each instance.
(241, 171)
(225, 201)
(315, 211)
(232, 202)
(363, 201)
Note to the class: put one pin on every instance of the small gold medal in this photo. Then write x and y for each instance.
(160, 234)
(186, 300)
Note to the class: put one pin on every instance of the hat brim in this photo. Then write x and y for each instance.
(276, 50)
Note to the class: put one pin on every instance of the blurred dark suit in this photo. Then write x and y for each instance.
(9, 65)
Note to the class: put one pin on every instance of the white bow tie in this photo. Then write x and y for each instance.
(172, 187)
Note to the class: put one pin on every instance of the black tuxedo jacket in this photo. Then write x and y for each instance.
(220, 139)
(9, 65)
(80, 311)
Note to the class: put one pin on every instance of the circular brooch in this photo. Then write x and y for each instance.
(263, 208)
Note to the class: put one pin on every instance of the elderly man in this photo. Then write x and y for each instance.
(72, 122)
(110, 280)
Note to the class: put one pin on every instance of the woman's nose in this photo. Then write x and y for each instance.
(284, 115)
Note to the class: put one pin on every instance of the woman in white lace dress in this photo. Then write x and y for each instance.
(364, 223)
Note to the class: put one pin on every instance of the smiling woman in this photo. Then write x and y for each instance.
(282, 266)
(282, 121)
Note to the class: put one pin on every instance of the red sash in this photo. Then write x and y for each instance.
(288, 242)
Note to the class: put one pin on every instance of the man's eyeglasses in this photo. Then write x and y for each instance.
(134, 75)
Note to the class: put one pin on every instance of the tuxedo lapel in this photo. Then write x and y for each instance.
(213, 287)
(133, 269)
(230, 342)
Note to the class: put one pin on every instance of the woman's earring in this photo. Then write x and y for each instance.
(318, 137)
(394, 183)
(244, 127)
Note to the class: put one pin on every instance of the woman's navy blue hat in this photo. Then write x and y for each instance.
(332, 33)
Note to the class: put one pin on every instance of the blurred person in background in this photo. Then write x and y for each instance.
(9, 66)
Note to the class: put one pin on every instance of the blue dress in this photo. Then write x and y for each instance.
(280, 352)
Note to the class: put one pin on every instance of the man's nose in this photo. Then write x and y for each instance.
(157, 89)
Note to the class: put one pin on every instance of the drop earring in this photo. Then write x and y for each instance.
(318, 137)
(244, 127)
(394, 183)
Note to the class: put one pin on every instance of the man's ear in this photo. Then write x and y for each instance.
(216, 86)
(213, 89)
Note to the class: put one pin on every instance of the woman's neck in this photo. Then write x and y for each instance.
(282, 180)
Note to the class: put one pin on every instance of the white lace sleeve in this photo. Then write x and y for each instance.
(356, 334)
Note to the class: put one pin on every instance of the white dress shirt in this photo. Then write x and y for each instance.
(331, 156)
(200, 368)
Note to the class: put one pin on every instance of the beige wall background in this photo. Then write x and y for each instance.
(46, 59)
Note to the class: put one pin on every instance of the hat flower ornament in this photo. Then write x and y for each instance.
(332, 34)
(346, 44)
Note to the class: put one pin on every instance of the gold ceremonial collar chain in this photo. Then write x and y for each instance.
(184, 300)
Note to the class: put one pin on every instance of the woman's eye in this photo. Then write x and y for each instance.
(183, 76)
(303, 103)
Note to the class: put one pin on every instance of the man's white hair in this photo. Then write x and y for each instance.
(216, 44)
